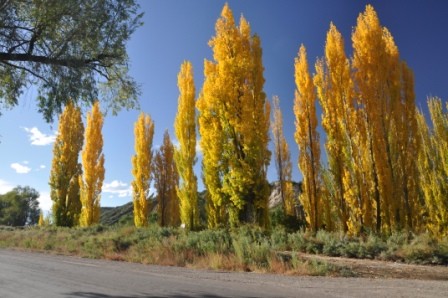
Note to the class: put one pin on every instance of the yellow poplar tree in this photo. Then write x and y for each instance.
(185, 154)
(344, 146)
(384, 87)
(433, 166)
(141, 167)
(333, 89)
(404, 153)
(41, 221)
(166, 180)
(234, 126)
(282, 159)
(307, 139)
(65, 169)
(92, 178)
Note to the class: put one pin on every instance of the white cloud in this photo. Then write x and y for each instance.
(38, 138)
(45, 202)
(117, 188)
(20, 169)
(198, 148)
(177, 144)
(42, 166)
(5, 186)
(25, 162)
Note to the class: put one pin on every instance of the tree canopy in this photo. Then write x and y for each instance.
(70, 50)
(19, 207)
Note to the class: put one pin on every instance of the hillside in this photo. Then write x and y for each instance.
(124, 213)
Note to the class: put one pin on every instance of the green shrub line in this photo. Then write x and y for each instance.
(246, 248)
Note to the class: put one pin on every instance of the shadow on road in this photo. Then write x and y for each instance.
(99, 295)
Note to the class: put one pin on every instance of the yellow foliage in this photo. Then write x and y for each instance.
(185, 154)
(41, 221)
(234, 126)
(92, 178)
(433, 167)
(307, 139)
(282, 159)
(65, 168)
(166, 181)
(141, 168)
(385, 93)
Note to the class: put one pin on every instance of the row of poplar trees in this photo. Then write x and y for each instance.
(387, 168)
(234, 128)
(75, 187)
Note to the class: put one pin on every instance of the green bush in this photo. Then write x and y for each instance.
(297, 241)
(420, 250)
(331, 244)
(250, 252)
(279, 239)
(204, 242)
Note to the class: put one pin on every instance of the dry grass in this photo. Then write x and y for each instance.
(245, 249)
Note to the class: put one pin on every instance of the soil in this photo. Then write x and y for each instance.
(383, 269)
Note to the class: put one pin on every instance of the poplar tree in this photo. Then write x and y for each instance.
(185, 154)
(433, 166)
(141, 168)
(166, 180)
(346, 180)
(307, 138)
(384, 87)
(368, 47)
(234, 126)
(282, 159)
(65, 169)
(92, 178)
(41, 221)
(405, 151)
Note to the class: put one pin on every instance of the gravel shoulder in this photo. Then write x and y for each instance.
(383, 269)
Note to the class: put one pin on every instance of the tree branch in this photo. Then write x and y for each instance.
(12, 49)
(69, 62)
(25, 69)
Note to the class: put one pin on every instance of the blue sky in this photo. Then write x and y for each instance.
(175, 31)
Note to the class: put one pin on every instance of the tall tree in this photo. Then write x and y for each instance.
(19, 207)
(433, 166)
(41, 221)
(185, 154)
(141, 168)
(92, 178)
(234, 126)
(307, 138)
(166, 181)
(65, 168)
(404, 153)
(69, 50)
(343, 145)
(385, 92)
(282, 159)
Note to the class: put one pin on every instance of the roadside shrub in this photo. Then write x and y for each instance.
(331, 244)
(419, 250)
(297, 241)
(279, 239)
(374, 246)
(441, 254)
(205, 242)
(249, 252)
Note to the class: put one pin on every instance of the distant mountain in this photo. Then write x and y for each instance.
(112, 215)
(275, 199)
(124, 213)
